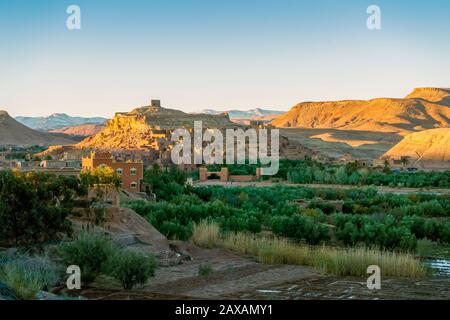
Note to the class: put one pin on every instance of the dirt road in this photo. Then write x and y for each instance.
(380, 189)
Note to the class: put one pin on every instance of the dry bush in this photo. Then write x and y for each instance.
(206, 234)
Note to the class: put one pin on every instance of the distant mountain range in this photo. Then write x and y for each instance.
(63, 123)
(57, 121)
(14, 133)
(248, 115)
(423, 109)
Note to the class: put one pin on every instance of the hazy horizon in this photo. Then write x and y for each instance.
(94, 116)
(198, 54)
(196, 111)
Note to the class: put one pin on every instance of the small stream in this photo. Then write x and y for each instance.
(441, 267)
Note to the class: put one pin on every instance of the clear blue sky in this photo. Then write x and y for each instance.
(196, 54)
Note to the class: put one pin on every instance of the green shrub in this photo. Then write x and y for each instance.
(24, 285)
(384, 233)
(205, 270)
(445, 233)
(300, 228)
(389, 221)
(174, 230)
(130, 268)
(42, 268)
(89, 252)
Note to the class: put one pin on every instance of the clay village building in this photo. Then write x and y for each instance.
(60, 164)
(130, 170)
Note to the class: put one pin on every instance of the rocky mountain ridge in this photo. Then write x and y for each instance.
(424, 108)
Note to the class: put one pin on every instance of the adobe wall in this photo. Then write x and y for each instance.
(223, 174)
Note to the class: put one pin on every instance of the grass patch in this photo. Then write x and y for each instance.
(425, 248)
(24, 285)
(354, 262)
(206, 234)
(267, 250)
(25, 276)
(336, 261)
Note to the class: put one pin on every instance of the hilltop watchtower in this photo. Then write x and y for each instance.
(156, 103)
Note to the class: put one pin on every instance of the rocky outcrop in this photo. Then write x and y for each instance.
(429, 148)
(126, 228)
(143, 128)
(162, 118)
(149, 128)
(430, 94)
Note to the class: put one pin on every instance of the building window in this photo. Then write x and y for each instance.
(133, 171)
(119, 171)
(133, 185)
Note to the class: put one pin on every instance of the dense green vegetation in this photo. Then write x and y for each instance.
(378, 220)
(310, 171)
(235, 169)
(165, 183)
(34, 206)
